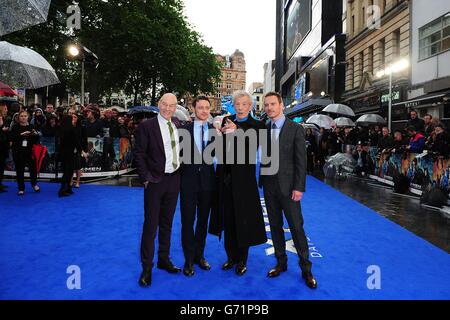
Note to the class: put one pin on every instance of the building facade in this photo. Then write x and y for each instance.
(256, 89)
(233, 78)
(269, 76)
(310, 56)
(429, 90)
(378, 35)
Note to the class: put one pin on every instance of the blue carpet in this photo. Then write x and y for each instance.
(99, 230)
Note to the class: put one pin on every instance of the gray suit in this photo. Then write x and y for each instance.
(278, 192)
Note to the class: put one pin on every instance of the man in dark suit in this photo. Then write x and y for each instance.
(238, 210)
(197, 186)
(158, 162)
(284, 190)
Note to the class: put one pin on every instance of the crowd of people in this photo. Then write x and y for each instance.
(419, 135)
(22, 127)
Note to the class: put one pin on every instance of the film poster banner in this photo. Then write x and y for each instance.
(421, 169)
(104, 154)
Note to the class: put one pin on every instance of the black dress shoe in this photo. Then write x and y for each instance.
(309, 280)
(145, 279)
(241, 269)
(188, 270)
(277, 270)
(168, 266)
(203, 264)
(228, 265)
(63, 193)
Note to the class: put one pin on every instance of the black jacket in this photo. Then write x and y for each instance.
(195, 176)
(241, 178)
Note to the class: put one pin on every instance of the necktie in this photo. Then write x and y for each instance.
(173, 144)
(203, 139)
(274, 133)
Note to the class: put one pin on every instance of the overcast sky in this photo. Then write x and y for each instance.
(227, 25)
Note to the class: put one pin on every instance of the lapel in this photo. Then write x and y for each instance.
(284, 130)
(158, 135)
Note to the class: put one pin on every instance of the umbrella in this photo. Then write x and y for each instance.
(38, 154)
(370, 119)
(341, 109)
(143, 109)
(24, 68)
(310, 126)
(321, 120)
(6, 90)
(181, 115)
(344, 122)
(119, 109)
(20, 14)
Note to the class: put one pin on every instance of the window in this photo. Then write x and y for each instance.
(219, 85)
(229, 86)
(353, 24)
(363, 16)
(382, 46)
(397, 43)
(434, 37)
(229, 75)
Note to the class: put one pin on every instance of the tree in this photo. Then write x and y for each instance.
(143, 46)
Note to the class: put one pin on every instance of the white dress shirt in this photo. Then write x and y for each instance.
(168, 144)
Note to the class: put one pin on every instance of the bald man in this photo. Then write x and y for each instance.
(158, 163)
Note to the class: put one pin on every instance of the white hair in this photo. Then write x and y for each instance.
(240, 94)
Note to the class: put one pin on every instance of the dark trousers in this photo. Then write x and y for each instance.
(194, 205)
(234, 250)
(2, 166)
(160, 201)
(276, 204)
(21, 160)
(67, 164)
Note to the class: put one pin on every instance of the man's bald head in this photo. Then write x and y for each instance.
(167, 105)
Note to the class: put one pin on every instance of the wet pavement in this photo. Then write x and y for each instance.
(431, 225)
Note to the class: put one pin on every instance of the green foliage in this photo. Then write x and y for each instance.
(144, 47)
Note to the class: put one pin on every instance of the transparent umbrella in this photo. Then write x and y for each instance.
(24, 68)
(20, 14)
(344, 122)
(340, 109)
(370, 119)
(321, 120)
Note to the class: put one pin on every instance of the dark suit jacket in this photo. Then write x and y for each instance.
(292, 159)
(192, 174)
(149, 151)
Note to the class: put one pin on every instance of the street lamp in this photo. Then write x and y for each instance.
(396, 67)
(80, 52)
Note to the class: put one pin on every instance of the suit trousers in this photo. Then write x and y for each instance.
(194, 205)
(160, 201)
(276, 204)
